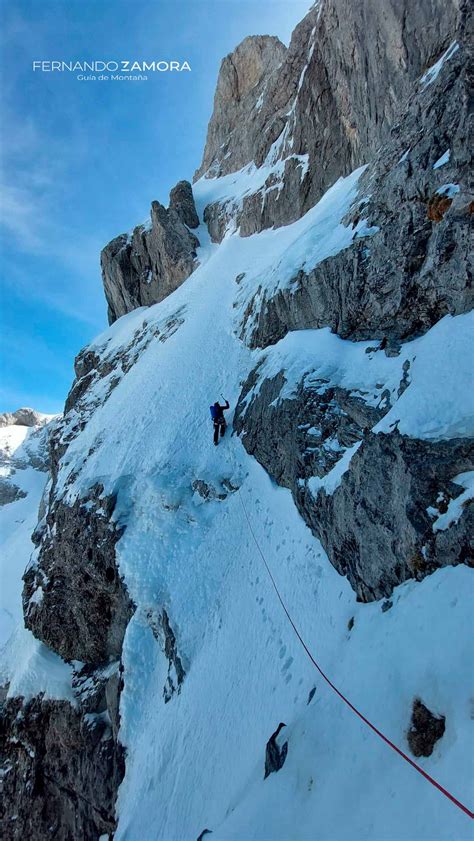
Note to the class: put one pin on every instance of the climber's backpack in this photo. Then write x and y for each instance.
(214, 412)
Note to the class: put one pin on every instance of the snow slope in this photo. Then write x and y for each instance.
(197, 762)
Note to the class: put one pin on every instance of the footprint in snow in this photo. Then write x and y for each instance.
(287, 664)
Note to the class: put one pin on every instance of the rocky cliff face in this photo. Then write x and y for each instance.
(306, 115)
(416, 201)
(309, 96)
(377, 518)
(377, 526)
(60, 757)
(416, 198)
(61, 763)
(143, 267)
(61, 596)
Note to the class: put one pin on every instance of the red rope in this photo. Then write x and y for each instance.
(343, 697)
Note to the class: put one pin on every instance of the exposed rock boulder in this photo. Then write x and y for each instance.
(208, 491)
(61, 765)
(74, 598)
(9, 492)
(425, 729)
(276, 752)
(142, 268)
(376, 528)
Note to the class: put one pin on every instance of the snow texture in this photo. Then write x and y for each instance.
(455, 506)
(432, 74)
(444, 159)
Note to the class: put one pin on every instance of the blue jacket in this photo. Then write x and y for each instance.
(217, 411)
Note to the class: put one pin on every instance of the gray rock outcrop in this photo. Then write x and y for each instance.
(182, 202)
(142, 268)
(9, 492)
(74, 598)
(61, 764)
(376, 528)
(160, 625)
(305, 435)
(23, 417)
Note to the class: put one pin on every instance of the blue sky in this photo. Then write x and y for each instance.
(82, 161)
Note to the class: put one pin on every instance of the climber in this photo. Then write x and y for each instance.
(217, 415)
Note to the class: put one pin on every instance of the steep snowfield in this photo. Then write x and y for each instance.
(27, 665)
(197, 762)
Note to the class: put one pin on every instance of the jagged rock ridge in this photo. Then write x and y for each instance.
(143, 267)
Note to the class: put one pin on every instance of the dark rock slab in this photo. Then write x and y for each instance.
(164, 634)
(275, 753)
(61, 769)
(305, 435)
(83, 608)
(182, 202)
(144, 267)
(9, 492)
(425, 729)
(375, 527)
